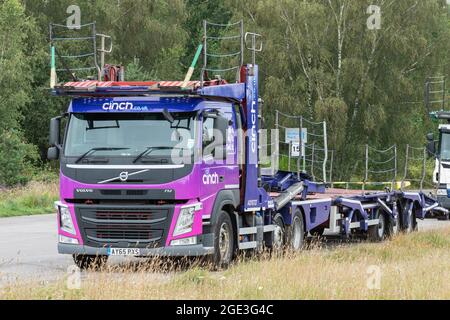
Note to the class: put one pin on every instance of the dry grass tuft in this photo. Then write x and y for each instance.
(411, 266)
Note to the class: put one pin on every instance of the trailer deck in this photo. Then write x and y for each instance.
(347, 211)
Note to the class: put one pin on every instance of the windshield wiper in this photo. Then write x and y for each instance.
(147, 151)
(150, 149)
(90, 151)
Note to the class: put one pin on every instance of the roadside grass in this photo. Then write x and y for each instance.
(35, 198)
(413, 266)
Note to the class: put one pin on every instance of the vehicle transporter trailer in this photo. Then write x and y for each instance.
(122, 191)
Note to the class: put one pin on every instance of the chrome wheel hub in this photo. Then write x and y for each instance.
(224, 240)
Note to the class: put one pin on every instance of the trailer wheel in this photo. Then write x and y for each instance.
(296, 235)
(223, 241)
(411, 221)
(377, 232)
(89, 262)
(394, 225)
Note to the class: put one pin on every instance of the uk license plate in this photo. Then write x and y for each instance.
(124, 251)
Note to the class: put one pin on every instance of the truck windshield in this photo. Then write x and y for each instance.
(129, 135)
(445, 146)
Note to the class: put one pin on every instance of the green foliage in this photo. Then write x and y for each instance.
(16, 159)
(15, 72)
(319, 60)
(16, 155)
(313, 53)
(135, 72)
(334, 111)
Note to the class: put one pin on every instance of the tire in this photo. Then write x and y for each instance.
(377, 232)
(394, 225)
(296, 234)
(444, 217)
(89, 262)
(279, 234)
(411, 221)
(223, 241)
(408, 222)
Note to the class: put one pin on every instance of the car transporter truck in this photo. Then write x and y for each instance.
(171, 168)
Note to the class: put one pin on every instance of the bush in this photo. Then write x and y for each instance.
(16, 159)
(34, 198)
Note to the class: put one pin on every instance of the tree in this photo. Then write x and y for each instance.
(319, 52)
(149, 32)
(15, 92)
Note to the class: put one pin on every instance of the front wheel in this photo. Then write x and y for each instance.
(223, 241)
(89, 262)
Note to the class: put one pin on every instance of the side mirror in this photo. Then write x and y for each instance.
(55, 129)
(53, 153)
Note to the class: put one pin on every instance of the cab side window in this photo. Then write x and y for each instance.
(208, 132)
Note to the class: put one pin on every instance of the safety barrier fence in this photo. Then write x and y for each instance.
(76, 53)
(300, 145)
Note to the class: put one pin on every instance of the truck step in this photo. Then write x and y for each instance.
(249, 230)
(248, 245)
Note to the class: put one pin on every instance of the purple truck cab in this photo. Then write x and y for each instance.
(160, 203)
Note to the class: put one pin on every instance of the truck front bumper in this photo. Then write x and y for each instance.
(189, 250)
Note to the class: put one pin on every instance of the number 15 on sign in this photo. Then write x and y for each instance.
(296, 151)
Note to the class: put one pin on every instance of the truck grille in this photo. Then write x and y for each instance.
(110, 233)
(124, 215)
(124, 226)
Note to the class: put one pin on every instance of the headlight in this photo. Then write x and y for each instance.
(442, 192)
(65, 219)
(186, 219)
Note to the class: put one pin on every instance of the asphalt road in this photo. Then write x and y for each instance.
(28, 248)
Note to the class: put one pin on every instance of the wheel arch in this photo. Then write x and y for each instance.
(227, 200)
(302, 212)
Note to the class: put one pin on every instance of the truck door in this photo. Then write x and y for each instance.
(219, 153)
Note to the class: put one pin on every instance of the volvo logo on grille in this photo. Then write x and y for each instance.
(123, 176)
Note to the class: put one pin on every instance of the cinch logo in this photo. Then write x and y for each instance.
(209, 178)
(253, 130)
(117, 106)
